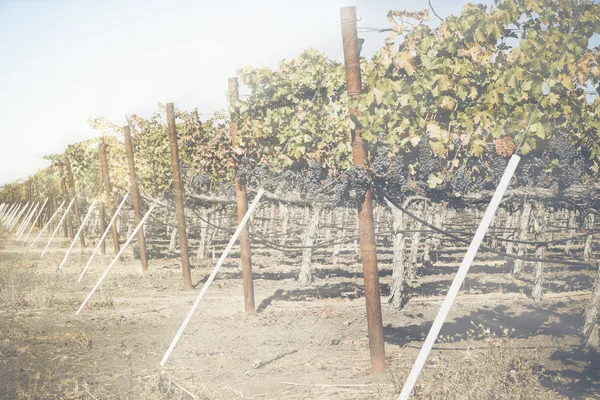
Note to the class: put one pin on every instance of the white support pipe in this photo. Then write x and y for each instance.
(103, 235)
(85, 219)
(14, 214)
(17, 215)
(58, 226)
(5, 208)
(15, 220)
(48, 223)
(26, 220)
(26, 216)
(34, 222)
(459, 278)
(9, 211)
(212, 276)
(11, 214)
(135, 231)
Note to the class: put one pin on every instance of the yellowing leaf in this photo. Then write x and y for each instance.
(405, 61)
(438, 148)
(477, 147)
(447, 103)
(437, 133)
(378, 95)
(474, 93)
(434, 181)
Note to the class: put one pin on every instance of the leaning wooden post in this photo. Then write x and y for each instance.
(178, 189)
(66, 198)
(101, 208)
(242, 207)
(135, 193)
(74, 195)
(365, 211)
(108, 192)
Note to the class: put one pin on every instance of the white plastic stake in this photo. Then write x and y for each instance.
(212, 276)
(103, 236)
(35, 220)
(135, 231)
(58, 226)
(7, 210)
(47, 223)
(85, 219)
(15, 220)
(26, 220)
(16, 216)
(10, 215)
(459, 278)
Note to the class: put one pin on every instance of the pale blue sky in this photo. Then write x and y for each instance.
(66, 60)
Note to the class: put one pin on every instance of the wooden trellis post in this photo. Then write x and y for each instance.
(365, 210)
(74, 195)
(135, 193)
(242, 208)
(68, 226)
(108, 192)
(178, 190)
(101, 207)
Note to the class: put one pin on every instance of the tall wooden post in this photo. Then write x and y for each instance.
(178, 189)
(54, 203)
(135, 193)
(365, 211)
(74, 195)
(101, 207)
(67, 198)
(242, 208)
(108, 193)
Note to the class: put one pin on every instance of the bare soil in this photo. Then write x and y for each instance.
(304, 342)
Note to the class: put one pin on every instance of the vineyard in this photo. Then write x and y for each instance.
(316, 226)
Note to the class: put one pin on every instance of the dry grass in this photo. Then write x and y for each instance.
(495, 368)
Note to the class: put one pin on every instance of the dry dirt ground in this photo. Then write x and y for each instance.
(305, 342)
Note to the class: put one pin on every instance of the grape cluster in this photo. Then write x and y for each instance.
(499, 165)
(244, 170)
(396, 176)
(315, 175)
(261, 173)
(531, 172)
(380, 160)
(359, 181)
(230, 191)
(291, 179)
(562, 148)
(572, 163)
(340, 188)
(459, 182)
(271, 183)
(427, 163)
(200, 183)
(263, 177)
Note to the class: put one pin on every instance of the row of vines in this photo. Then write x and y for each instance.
(442, 109)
